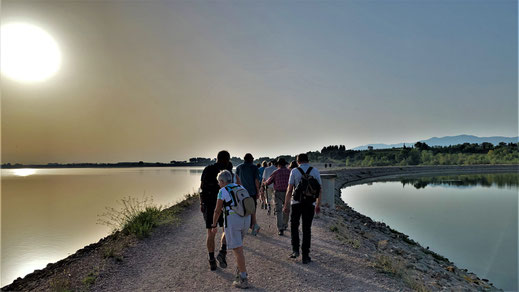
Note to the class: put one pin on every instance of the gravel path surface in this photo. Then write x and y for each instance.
(174, 258)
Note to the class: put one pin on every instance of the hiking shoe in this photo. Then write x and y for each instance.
(212, 265)
(268, 212)
(306, 260)
(294, 254)
(280, 232)
(255, 229)
(221, 259)
(241, 283)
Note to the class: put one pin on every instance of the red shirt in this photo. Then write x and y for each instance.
(280, 179)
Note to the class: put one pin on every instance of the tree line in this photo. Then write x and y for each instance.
(418, 154)
(423, 154)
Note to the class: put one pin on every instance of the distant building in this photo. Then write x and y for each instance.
(370, 148)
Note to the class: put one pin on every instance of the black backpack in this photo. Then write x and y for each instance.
(308, 188)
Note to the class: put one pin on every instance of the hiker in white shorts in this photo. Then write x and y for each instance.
(235, 225)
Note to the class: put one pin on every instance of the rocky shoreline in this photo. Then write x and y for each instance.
(389, 251)
(394, 252)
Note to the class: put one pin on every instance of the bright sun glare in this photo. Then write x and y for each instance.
(28, 53)
(24, 172)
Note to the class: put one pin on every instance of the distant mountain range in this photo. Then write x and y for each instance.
(446, 141)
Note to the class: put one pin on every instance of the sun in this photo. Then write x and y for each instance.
(28, 53)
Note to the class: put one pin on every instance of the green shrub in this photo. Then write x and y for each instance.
(142, 223)
(387, 265)
(61, 284)
(90, 278)
(135, 217)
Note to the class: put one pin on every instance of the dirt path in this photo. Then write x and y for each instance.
(175, 258)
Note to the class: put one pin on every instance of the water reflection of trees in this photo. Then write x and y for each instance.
(501, 180)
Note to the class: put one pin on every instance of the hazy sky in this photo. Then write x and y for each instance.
(168, 80)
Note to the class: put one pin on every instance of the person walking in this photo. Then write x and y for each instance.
(280, 179)
(292, 165)
(208, 197)
(301, 208)
(247, 176)
(235, 225)
(261, 168)
(269, 191)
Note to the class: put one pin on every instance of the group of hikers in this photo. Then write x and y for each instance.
(229, 200)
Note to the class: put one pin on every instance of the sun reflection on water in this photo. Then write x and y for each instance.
(24, 171)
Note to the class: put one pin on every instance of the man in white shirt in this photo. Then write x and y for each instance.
(304, 209)
(269, 190)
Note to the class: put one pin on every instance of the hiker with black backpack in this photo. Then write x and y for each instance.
(304, 194)
(208, 194)
(238, 206)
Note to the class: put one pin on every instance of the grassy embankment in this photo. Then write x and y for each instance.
(139, 217)
(134, 221)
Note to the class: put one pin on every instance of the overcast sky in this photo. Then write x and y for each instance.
(168, 80)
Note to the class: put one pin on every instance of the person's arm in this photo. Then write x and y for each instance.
(270, 180)
(202, 177)
(238, 181)
(318, 202)
(317, 176)
(290, 189)
(202, 208)
(288, 196)
(217, 212)
(200, 197)
(256, 181)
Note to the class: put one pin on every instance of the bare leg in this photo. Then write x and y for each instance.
(240, 259)
(210, 240)
(223, 237)
(253, 220)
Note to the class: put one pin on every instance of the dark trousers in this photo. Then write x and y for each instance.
(306, 212)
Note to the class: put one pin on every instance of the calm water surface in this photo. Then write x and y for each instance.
(470, 219)
(48, 214)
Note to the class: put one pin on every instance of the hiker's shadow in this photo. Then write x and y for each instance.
(271, 240)
(226, 274)
(230, 276)
(315, 269)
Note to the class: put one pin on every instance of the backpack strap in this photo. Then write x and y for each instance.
(309, 170)
(301, 171)
(233, 197)
(230, 191)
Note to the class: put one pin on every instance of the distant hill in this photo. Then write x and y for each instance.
(446, 141)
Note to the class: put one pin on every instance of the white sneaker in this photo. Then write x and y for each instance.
(241, 283)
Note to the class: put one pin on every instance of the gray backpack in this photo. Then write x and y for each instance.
(242, 203)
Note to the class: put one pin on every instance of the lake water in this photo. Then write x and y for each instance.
(48, 214)
(470, 219)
